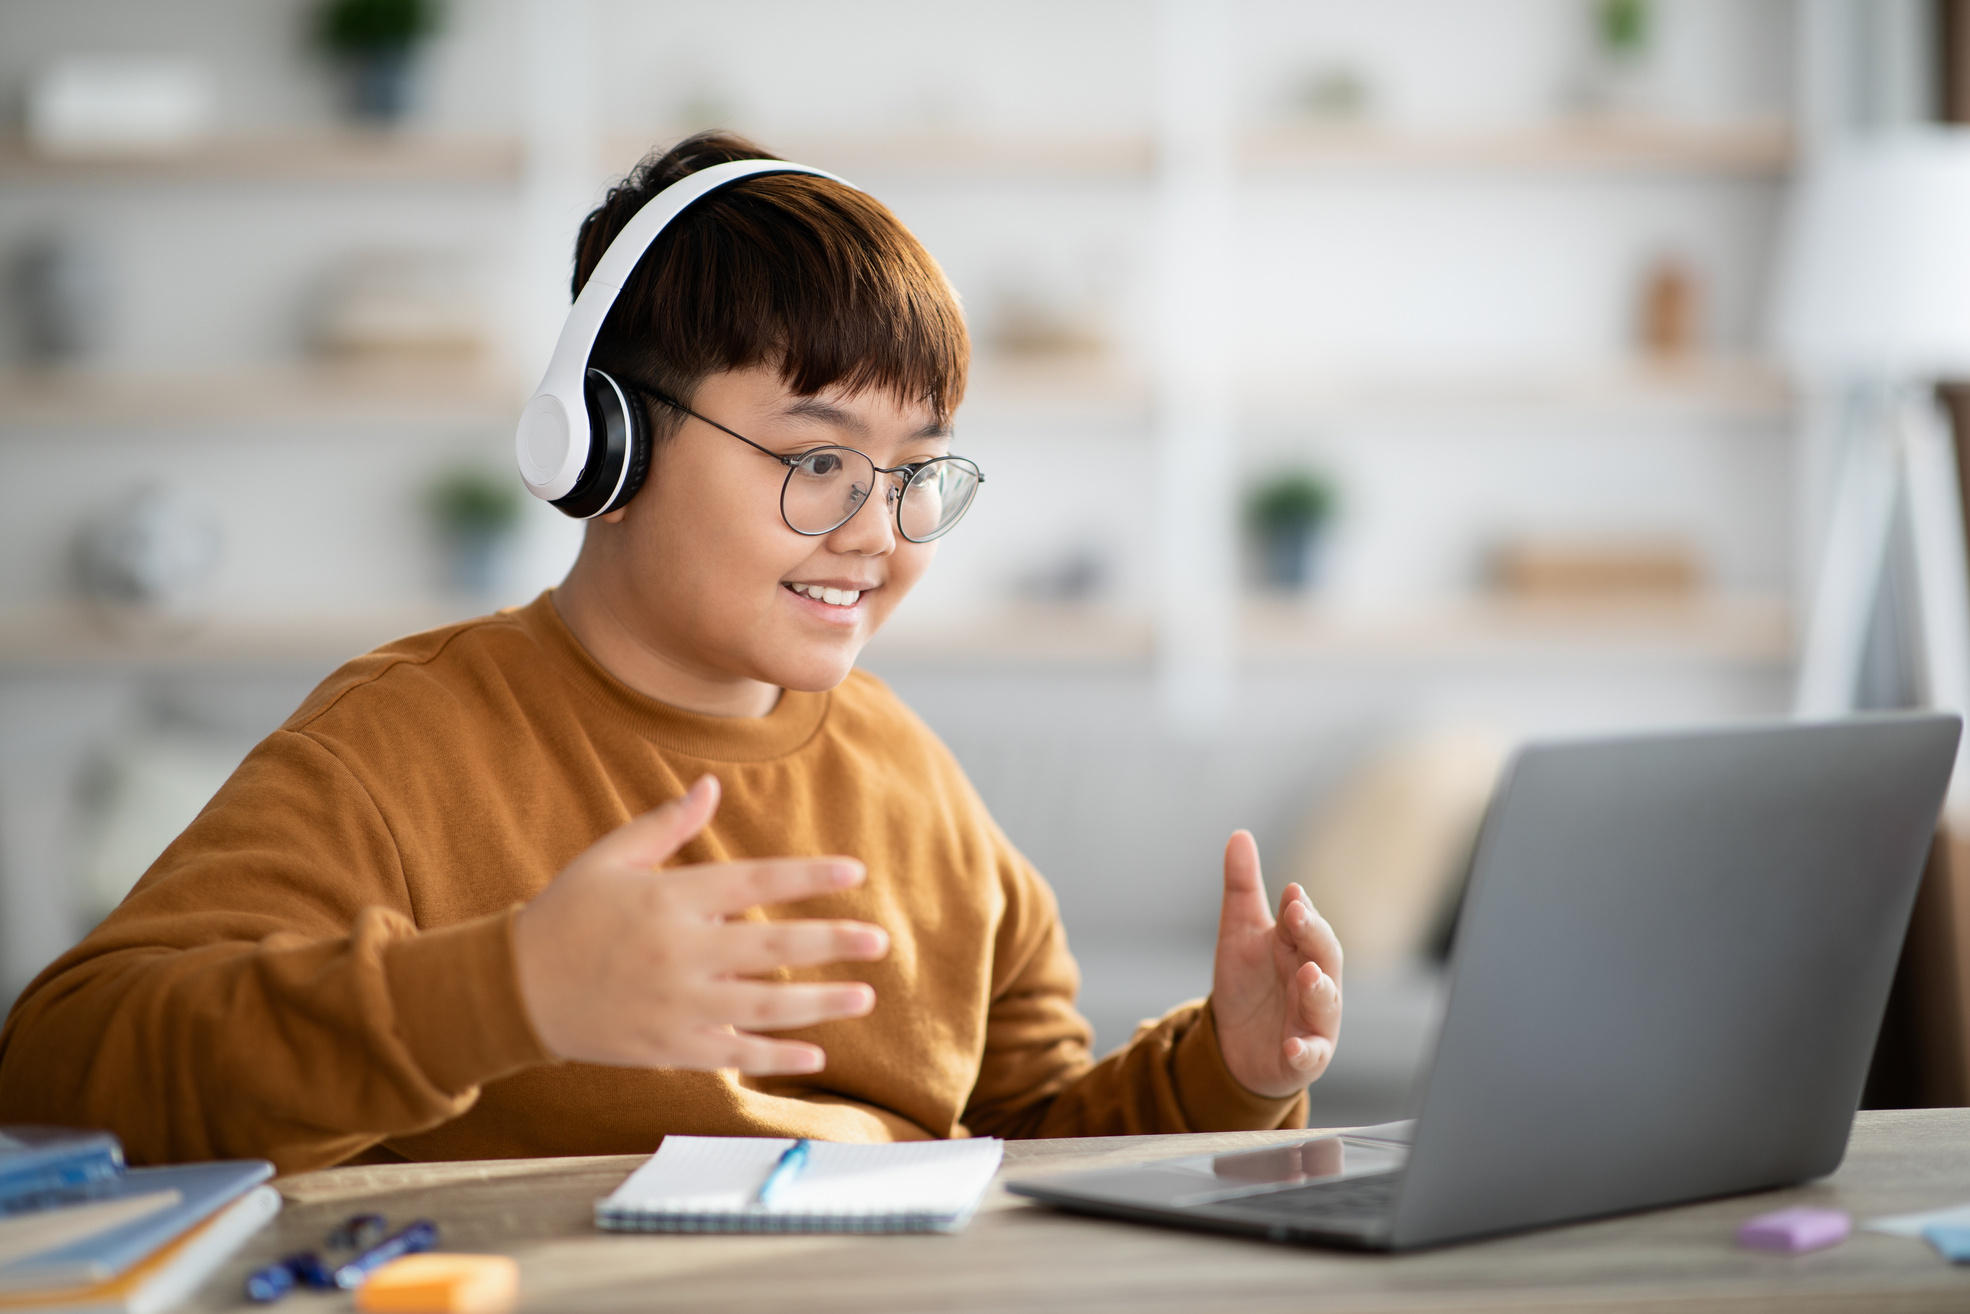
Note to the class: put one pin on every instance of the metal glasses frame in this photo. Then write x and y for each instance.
(793, 463)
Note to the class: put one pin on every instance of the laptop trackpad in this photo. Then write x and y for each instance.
(1211, 1178)
(1279, 1167)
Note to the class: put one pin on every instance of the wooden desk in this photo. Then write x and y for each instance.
(1020, 1257)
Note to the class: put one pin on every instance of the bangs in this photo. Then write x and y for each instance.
(788, 271)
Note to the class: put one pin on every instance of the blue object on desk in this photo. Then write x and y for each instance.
(358, 1232)
(204, 1189)
(38, 1164)
(783, 1172)
(266, 1285)
(308, 1269)
(419, 1236)
(1952, 1240)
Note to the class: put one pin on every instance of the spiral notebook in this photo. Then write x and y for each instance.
(708, 1184)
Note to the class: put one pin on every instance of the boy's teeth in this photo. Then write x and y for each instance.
(834, 597)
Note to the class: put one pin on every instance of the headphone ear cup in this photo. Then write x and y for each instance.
(614, 421)
(636, 430)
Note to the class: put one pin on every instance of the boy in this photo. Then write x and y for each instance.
(426, 920)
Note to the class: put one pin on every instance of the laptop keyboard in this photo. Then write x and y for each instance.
(1351, 1200)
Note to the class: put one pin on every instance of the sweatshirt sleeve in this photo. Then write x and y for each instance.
(264, 991)
(1038, 1078)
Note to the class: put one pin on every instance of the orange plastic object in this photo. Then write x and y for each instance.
(442, 1284)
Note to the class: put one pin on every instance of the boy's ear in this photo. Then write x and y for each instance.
(613, 517)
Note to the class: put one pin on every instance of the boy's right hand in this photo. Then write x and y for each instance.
(621, 963)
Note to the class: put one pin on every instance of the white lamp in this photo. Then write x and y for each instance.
(1875, 285)
(1874, 296)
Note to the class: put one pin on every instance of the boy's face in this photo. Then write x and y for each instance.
(710, 569)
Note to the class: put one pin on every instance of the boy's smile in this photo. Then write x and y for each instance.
(699, 594)
(838, 600)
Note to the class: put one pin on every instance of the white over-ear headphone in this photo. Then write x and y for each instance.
(582, 444)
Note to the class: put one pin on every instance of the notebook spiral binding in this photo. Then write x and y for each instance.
(622, 1220)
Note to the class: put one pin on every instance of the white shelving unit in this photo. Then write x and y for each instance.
(320, 394)
(511, 165)
(319, 158)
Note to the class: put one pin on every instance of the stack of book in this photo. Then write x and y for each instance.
(81, 1232)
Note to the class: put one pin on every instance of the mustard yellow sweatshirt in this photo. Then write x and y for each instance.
(321, 967)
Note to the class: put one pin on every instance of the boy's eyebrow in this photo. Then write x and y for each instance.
(813, 408)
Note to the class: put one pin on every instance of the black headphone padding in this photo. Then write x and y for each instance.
(618, 435)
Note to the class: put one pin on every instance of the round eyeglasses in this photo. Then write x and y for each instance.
(826, 486)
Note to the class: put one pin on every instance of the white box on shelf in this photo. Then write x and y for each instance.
(109, 104)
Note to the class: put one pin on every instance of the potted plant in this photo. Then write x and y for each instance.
(1617, 79)
(376, 41)
(476, 512)
(1285, 515)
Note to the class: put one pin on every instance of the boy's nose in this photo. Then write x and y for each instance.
(870, 532)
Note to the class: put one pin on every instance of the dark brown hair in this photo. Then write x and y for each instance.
(786, 270)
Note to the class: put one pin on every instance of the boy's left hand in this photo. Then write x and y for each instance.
(1276, 990)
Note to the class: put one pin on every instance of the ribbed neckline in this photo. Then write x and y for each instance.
(791, 723)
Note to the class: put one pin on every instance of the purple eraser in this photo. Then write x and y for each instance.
(1795, 1230)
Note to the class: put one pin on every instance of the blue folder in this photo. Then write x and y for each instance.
(39, 1163)
(205, 1187)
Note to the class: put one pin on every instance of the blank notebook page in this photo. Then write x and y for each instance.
(708, 1184)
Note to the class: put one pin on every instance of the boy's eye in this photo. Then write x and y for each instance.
(821, 464)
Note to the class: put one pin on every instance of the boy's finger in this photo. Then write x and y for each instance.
(760, 1056)
(1244, 886)
(1317, 1000)
(1307, 932)
(1308, 1055)
(731, 887)
(748, 948)
(761, 1006)
(649, 840)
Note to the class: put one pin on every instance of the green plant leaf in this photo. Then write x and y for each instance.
(367, 27)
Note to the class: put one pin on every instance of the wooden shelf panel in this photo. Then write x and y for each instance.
(1719, 388)
(298, 395)
(1003, 391)
(1111, 392)
(1749, 149)
(326, 158)
(71, 635)
(1755, 149)
(1736, 631)
(342, 157)
(1733, 631)
(1708, 628)
(930, 153)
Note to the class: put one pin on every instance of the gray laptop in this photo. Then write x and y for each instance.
(1673, 959)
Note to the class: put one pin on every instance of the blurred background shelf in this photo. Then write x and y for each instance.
(1737, 631)
(312, 158)
(1001, 389)
(1750, 630)
(1721, 388)
(1700, 387)
(79, 636)
(306, 394)
(935, 153)
(1586, 145)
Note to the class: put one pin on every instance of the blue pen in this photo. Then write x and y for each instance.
(783, 1172)
(418, 1237)
(269, 1284)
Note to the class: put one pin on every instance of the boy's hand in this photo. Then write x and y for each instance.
(623, 964)
(1276, 990)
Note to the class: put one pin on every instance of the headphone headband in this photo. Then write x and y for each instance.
(555, 443)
